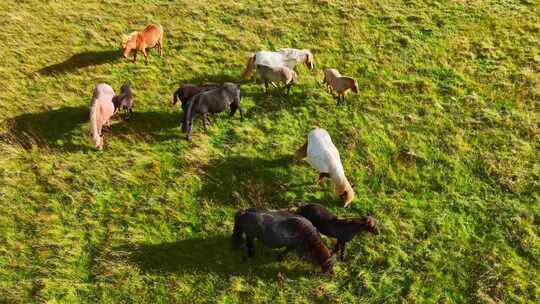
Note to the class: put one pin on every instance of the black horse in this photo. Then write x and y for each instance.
(187, 91)
(277, 229)
(212, 101)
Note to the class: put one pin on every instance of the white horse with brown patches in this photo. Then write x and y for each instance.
(286, 57)
(324, 156)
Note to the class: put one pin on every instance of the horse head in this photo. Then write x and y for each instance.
(308, 61)
(354, 85)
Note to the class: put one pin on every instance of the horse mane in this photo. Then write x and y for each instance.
(129, 37)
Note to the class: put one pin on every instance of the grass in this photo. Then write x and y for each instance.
(441, 145)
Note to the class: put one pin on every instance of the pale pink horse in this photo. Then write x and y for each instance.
(101, 110)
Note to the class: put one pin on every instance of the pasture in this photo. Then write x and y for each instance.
(441, 145)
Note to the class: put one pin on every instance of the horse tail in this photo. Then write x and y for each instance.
(189, 115)
(237, 230)
(249, 67)
(94, 129)
(176, 96)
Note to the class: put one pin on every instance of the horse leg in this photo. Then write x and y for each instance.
(134, 56)
(266, 87)
(204, 117)
(342, 251)
(323, 175)
(340, 248)
(145, 55)
(210, 122)
(250, 245)
(234, 106)
(160, 47)
(302, 152)
(241, 113)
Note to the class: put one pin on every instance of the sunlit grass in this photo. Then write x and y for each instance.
(441, 145)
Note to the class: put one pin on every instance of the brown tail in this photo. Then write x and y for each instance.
(249, 67)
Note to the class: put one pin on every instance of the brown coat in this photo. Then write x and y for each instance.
(150, 37)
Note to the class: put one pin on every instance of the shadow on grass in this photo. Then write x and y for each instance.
(61, 129)
(215, 78)
(208, 255)
(46, 129)
(81, 60)
(276, 100)
(150, 126)
(241, 181)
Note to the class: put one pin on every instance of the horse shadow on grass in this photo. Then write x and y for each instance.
(214, 254)
(241, 182)
(212, 78)
(81, 60)
(62, 130)
(49, 129)
(276, 100)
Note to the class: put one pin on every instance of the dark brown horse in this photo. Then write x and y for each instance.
(342, 229)
(278, 229)
(187, 91)
(124, 102)
(212, 101)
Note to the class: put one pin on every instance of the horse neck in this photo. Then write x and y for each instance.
(117, 100)
(337, 174)
(314, 246)
(349, 227)
(294, 54)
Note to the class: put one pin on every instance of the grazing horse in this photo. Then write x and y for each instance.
(323, 155)
(332, 226)
(271, 74)
(124, 101)
(102, 109)
(341, 84)
(150, 37)
(278, 229)
(212, 101)
(187, 91)
(286, 57)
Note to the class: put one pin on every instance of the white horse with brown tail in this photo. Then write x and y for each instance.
(286, 57)
(102, 109)
(324, 156)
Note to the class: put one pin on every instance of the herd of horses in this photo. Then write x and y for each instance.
(293, 229)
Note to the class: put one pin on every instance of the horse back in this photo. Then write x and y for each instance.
(318, 215)
(152, 34)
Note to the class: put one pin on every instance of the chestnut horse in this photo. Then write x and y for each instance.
(150, 37)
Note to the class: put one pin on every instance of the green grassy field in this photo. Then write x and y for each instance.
(441, 145)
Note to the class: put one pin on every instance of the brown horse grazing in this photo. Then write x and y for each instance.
(342, 229)
(151, 36)
(277, 229)
(270, 74)
(341, 84)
